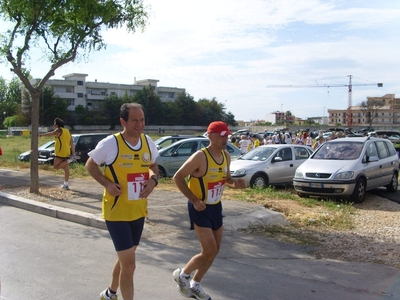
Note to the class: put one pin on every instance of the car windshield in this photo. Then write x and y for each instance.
(259, 153)
(44, 146)
(75, 139)
(339, 151)
(160, 140)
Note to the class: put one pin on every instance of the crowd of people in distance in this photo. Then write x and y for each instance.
(248, 141)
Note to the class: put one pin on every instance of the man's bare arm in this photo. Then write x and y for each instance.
(190, 167)
(94, 170)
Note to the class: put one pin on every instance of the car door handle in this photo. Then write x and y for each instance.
(291, 165)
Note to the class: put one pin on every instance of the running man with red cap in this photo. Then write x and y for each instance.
(208, 172)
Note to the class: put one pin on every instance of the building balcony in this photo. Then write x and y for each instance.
(95, 97)
(67, 95)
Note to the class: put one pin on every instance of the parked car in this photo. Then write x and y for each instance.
(273, 164)
(327, 135)
(347, 168)
(26, 156)
(394, 137)
(84, 143)
(240, 132)
(171, 158)
(166, 141)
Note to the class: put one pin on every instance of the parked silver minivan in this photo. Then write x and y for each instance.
(347, 168)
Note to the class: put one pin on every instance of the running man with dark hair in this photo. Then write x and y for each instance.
(63, 148)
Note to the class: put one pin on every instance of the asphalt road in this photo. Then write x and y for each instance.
(48, 258)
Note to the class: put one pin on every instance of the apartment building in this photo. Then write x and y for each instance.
(385, 116)
(75, 89)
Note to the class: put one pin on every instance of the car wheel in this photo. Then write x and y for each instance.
(259, 180)
(358, 195)
(161, 172)
(392, 186)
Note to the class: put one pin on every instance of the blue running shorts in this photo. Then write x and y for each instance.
(125, 234)
(211, 217)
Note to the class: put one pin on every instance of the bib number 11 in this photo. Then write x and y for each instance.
(135, 184)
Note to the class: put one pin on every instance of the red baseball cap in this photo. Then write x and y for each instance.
(218, 127)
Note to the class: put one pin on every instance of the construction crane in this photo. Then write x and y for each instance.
(350, 92)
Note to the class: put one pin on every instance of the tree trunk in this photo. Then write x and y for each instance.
(34, 187)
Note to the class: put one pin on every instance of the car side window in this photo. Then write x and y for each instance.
(85, 142)
(300, 153)
(187, 149)
(97, 139)
(371, 150)
(382, 149)
(229, 149)
(285, 154)
(204, 143)
(392, 150)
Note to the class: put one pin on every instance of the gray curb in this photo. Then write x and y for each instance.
(93, 220)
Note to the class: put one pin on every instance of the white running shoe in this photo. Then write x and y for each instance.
(103, 296)
(198, 293)
(65, 186)
(73, 158)
(183, 283)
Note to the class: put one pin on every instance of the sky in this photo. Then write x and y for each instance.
(245, 54)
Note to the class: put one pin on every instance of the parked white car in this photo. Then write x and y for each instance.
(270, 164)
(347, 168)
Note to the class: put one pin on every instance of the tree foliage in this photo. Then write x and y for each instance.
(111, 107)
(183, 111)
(63, 31)
(10, 96)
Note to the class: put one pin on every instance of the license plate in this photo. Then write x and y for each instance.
(317, 185)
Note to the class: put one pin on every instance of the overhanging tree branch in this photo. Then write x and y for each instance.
(63, 30)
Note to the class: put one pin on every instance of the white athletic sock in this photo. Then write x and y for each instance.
(193, 283)
(183, 274)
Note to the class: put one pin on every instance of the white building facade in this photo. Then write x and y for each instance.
(77, 91)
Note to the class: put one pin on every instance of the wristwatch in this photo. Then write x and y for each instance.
(155, 179)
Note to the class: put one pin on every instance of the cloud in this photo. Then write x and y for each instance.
(233, 50)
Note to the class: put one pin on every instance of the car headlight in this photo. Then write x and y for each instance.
(298, 174)
(240, 172)
(345, 175)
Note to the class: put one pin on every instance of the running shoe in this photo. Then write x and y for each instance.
(198, 293)
(183, 283)
(73, 158)
(65, 186)
(103, 296)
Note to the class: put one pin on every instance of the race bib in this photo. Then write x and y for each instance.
(135, 184)
(215, 190)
